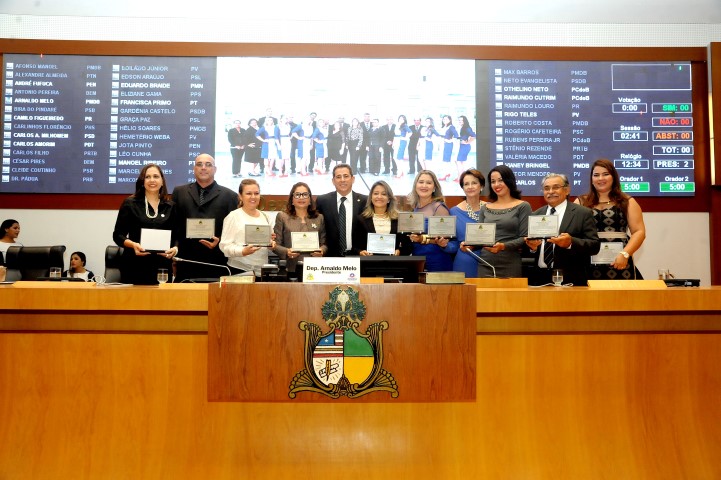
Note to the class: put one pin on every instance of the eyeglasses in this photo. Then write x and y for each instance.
(553, 188)
(301, 195)
(206, 164)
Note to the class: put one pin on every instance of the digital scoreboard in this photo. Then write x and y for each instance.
(84, 124)
(562, 116)
(88, 124)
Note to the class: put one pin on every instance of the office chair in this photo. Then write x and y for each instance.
(113, 258)
(30, 263)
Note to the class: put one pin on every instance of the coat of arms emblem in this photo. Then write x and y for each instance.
(343, 361)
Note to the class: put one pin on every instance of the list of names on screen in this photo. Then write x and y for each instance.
(561, 116)
(84, 124)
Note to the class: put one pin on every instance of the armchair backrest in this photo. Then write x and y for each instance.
(29, 263)
(113, 257)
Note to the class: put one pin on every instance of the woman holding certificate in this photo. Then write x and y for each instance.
(619, 221)
(379, 218)
(468, 211)
(510, 215)
(427, 198)
(300, 217)
(243, 257)
(140, 217)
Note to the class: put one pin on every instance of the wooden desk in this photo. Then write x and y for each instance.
(85, 400)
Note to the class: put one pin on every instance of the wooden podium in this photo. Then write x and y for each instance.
(256, 348)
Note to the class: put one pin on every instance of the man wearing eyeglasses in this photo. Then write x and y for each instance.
(202, 200)
(339, 210)
(576, 241)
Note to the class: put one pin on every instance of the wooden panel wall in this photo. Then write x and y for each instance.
(256, 348)
(609, 406)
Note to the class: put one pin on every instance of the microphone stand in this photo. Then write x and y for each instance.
(477, 257)
(178, 259)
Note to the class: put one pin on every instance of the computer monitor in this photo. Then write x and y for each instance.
(402, 269)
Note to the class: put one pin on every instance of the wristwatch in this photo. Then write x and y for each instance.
(625, 254)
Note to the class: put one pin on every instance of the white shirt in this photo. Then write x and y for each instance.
(560, 210)
(348, 218)
(232, 240)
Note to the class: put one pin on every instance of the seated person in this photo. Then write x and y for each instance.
(77, 267)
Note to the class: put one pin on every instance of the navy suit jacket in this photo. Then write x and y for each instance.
(578, 222)
(327, 205)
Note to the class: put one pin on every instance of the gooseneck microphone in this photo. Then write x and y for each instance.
(227, 269)
(477, 257)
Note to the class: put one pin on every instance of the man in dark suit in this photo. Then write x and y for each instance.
(203, 198)
(388, 131)
(237, 146)
(413, 140)
(375, 147)
(330, 204)
(576, 241)
(366, 125)
(293, 144)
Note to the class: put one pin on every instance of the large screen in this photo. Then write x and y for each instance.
(565, 115)
(87, 124)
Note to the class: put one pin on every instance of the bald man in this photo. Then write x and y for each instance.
(203, 198)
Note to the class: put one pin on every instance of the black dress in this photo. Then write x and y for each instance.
(135, 269)
(613, 220)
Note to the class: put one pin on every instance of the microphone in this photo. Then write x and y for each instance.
(178, 259)
(477, 257)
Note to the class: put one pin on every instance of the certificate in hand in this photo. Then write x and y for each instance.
(410, 222)
(542, 226)
(480, 234)
(442, 226)
(304, 241)
(382, 243)
(153, 240)
(257, 235)
(200, 228)
(608, 253)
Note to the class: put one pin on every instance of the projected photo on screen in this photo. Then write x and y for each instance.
(284, 120)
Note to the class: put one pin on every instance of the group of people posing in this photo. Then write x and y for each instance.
(343, 218)
(279, 146)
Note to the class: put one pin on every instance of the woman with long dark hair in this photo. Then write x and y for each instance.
(149, 207)
(619, 219)
(510, 214)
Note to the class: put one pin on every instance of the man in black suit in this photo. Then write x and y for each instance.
(413, 140)
(203, 198)
(293, 144)
(376, 141)
(268, 114)
(366, 125)
(388, 131)
(237, 146)
(577, 240)
(330, 204)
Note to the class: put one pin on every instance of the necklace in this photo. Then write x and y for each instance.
(147, 210)
(474, 216)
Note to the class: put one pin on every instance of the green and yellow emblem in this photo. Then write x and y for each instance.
(343, 361)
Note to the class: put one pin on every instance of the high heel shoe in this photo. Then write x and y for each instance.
(400, 175)
(445, 178)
